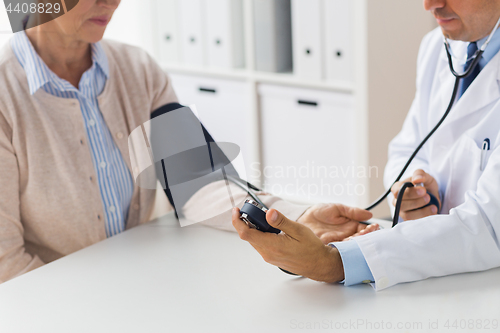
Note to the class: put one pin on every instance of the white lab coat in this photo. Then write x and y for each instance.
(465, 237)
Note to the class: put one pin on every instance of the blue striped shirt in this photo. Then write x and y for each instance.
(113, 176)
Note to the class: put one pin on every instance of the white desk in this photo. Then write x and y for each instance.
(162, 278)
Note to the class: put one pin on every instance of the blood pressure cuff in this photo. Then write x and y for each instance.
(184, 156)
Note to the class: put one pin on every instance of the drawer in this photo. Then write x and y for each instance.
(308, 145)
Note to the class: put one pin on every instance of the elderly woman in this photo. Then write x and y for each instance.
(68, 103)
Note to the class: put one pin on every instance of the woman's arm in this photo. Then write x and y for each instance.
(14, 260)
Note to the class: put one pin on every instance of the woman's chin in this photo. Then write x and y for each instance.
(93, 36)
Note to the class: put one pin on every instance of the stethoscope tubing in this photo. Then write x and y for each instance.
(448, 109)
(458, 76)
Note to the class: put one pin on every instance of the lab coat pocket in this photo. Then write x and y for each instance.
(465, 171)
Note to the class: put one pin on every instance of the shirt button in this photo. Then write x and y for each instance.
(81, 142)
(91, 122)
(119, 135)
(112, 209)
(102, 165)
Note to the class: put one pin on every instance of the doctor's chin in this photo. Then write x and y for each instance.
(249, 166)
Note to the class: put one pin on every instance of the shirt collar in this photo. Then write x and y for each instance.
(492, 48)
(37, 72)
(99, 57)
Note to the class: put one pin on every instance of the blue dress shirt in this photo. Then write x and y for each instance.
(356, 269)
(113, 176)
(491, 50)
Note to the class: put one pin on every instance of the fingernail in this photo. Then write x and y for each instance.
(427, 199)
(434, 209)
(421, 191)
(274, 216)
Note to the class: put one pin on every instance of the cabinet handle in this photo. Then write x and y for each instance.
(310, 103)
(208, 90)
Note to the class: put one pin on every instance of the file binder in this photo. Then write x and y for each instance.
(192, 31)
(339, 36)
(307, 38)
(225, 34)
(167, 14)
(273, 35)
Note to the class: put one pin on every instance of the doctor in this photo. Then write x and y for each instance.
(460, 165)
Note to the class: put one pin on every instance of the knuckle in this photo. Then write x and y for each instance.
(281, 222)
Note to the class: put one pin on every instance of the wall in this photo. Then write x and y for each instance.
(5, 29)
(392, 74)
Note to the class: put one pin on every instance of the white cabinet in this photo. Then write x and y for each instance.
(223, 108)
(225, 37)
(344, 39)
(309, 145)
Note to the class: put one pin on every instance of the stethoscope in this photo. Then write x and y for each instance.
(476, 58)
(249, 188)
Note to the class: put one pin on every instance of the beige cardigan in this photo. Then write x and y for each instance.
(49, 206)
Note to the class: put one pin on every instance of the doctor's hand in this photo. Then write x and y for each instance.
(416, 197)
(335, 222)
(296, 249)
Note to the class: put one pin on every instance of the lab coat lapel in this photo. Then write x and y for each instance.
(483, 91)
(442, 89)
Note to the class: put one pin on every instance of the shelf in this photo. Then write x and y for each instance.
(287, 79)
